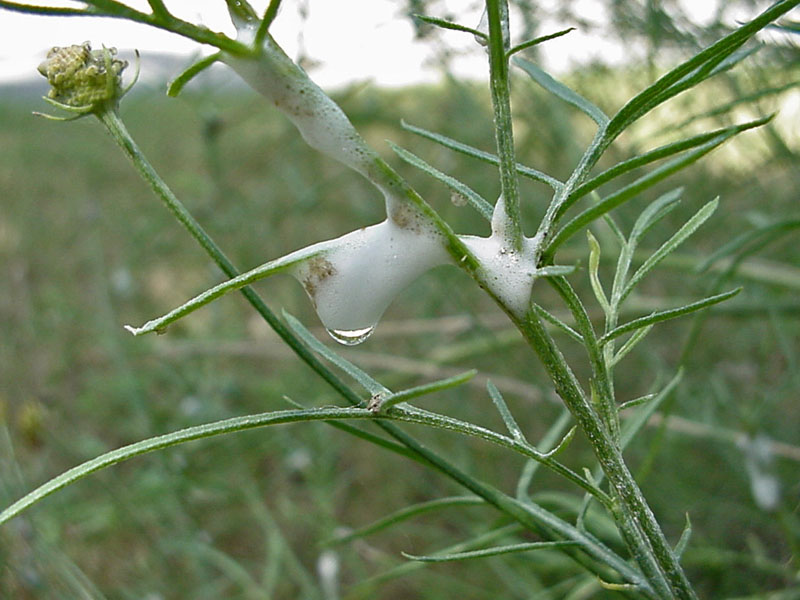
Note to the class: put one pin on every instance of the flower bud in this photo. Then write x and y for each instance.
(83, 78)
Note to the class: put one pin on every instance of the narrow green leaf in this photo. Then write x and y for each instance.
(683, 542)
(412, 414)
(720, 65)
(177, 84)
(481, 155)
(536, 41)
(563, 443)
(244, 279)
(386, 402)
(636, 401)
(726, 108)
(376, 389)
(475, 200)
(555, 270)
(546, 444)
(630, 191)
(594, 276)
(159, 9)
(242, 9)
(409, 512)
(109, 8)
(560, 90)
(263, 27)
(444, 24)
(565, 503)
(786, 25)
(671, 244)
(654, 212)
(629, 345)
(46, 10)
(654, 155)
(505, 413)
(768, 232)
(617, 587)
(666, 87)
(648, 218)
(486, 552)
(367, 436)
(172, 439)
(634, 424)
(410, 567)
(553, 320)
(612, 225)
(665, 315)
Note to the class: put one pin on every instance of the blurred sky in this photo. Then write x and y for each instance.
(377, 44)
(350, 40)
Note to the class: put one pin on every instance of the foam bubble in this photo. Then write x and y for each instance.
(506, 273)
(320, 121)
(354, 283)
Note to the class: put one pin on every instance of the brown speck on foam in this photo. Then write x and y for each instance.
(319, 269)
(404, 216)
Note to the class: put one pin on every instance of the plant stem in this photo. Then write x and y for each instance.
(117, 129)
(528, 514)
(497, 12)
(590, 157)
(636, 519)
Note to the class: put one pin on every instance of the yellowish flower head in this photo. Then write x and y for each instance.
(83, 78)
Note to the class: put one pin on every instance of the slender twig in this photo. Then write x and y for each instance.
(635, 517)
(528, 514)
(497, 12)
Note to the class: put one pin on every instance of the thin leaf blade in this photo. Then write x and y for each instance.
(666, 315)
(404, 514)
(654, 155)
(385, 403)
(481, 155)
(562, 91)
(505, 413)
(692, 225)
(478, 202)
(486, 552)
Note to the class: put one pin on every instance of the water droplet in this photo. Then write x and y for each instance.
(351, 337)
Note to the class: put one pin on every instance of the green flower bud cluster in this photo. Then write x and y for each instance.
(81, 77)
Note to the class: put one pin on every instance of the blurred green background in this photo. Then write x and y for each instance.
(86, 248)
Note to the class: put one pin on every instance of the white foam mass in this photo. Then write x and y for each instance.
(352, 284)
(321, 122)
(506, 273)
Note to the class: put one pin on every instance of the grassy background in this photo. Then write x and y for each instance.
(85, 248)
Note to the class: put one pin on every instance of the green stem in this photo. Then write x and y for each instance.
(578, 176)
(416, 415)
(117, 129)
(601, 376)
(497, 12)
(651, 549)
(528, 514)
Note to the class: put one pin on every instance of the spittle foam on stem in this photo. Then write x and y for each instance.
(353, 283)
(507, 274)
